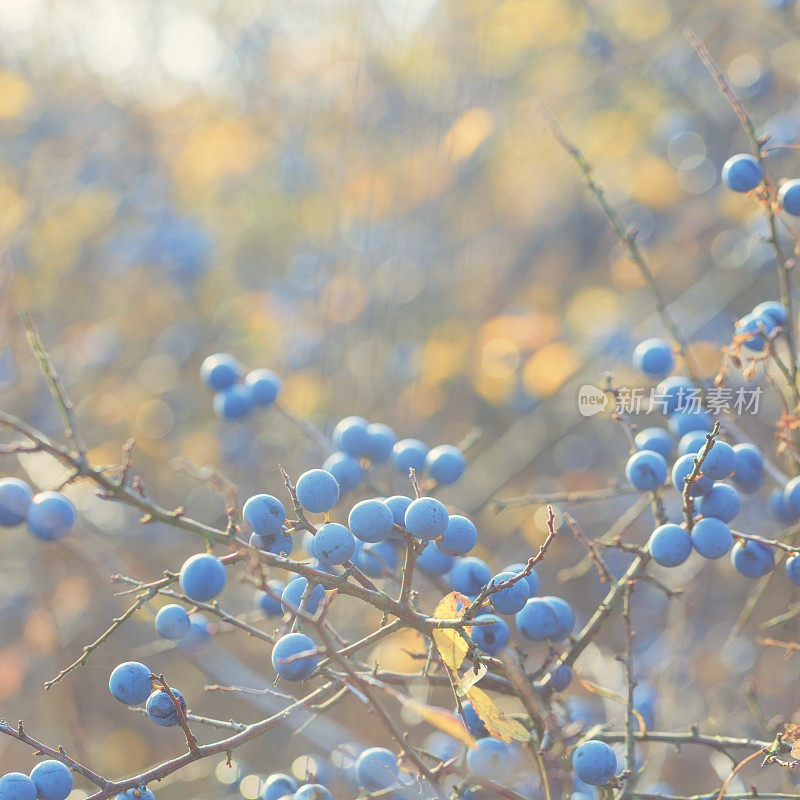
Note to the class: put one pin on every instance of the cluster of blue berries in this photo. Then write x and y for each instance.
(760, 324)
(236, 393)
(743, 173)
(49, 515)
(132, 684)
(49, 780)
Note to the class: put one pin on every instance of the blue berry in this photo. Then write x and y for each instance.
(474, 723)
(317, 491)
(646, 470)
(752, 559)
(742, 173)
(264, 514)
(376, 559)
(219, 371)
(426, 518)
(654, 357)
(793, 569)
(278, 785)
(719, 462)
(780, 507)
(749, 472)
(537, 620)
(381, 442)
(532, 578)
(281, 544)
(683, 422)
(756, 329)
(376, 768)
(658, 439)
(15, 498)
(371, 520)
(264, 386)
(469, 575)
(791, 496)
(511, 599)
(565, 617)
(670, 545)
(772, 308)
(459, 537)
(53, 780)
(350, 435)
(489, 758)
(789, 197)
(409, 454)
(17, 786)
(682, 469)
(198, 635)
(172, 622)
(722, 502)
(492, 638)
(711, 537)
(398, 504)
(312, 791)
(161, 709)
(692, 442)
(293, 594)
(346, 469)
(269, 602)
(202, 577)
(594, 762)
(294, 657)
(445, 464)
(334, 544)
(561, 677)
(433, 561)
(233, 403)
(676, 393)
(130, 683)
(51, 516)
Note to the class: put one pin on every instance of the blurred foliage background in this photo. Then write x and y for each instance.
(361, 197)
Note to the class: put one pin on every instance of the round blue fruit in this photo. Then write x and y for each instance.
(202, 577)
(264, 514)
(51, 516)
(381, 442)
(676, 393)
(445, 464)
(351, 436)
(15, 498)
(793, 569)
(711, 537)
(722, 502)
(293, 594)
(219, 371)
(752, 559)
(409, 454)
(683, 422)
(459, 537)
(233, 403)
(537, 620)
(280, 544)
(692, 443)
(749, 472)
(670, 545)
(720, 461)
(334, 544)
(161, 709)
(791, 496)
(433, 561)
(561, 677)
(130, 683)
(474, 723)
(198, 635)
(658, 439)
(376, 559)
(779, 506)
(427, 518)
(742, 173)
(312, 791)
(317, 491)
(789, 197)
(346, 469)
(376, 768)
(682, 469)
(17, 786)
(53, 780)
(756, 329)
(172, 622)
(594, 762)
(565, 617)
(489, 758)
(469, 575)
(654, 357)
(772, 308)
(264, 386)
(646, 470)
(294, 657)
(371, 520)
(511, 599)
(492, 638)
(398, 504)
(278, 785)
(531, 578)
(269, 602)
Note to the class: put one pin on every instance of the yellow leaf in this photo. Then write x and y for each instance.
(470, 678)
(497, 723)
(449, 642)
(442, 719)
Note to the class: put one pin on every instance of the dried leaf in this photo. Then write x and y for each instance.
(449, 642)
(497, 723)
(469, 679)
(796, 750)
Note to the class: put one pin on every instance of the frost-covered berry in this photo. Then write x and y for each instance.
(377, 768)
(722, 502)
(654, 357)
(380, 443)
(789, 197)
(371, 520)
(531, 578)
(720, 461)
(658, 439)
(334, 544)
(292, 596)
(682, 469)
(426, 518)
(269, 602)
(346, 469)
(561, 677)
(264, 386)
(749, 472)
(294, 656)
(711, 537)
(350, 436)
(459, 537)
(752, 559)
(756, 329)
(445, 464)
(162, 710)
(172, 622)
(469, 575)
(17, 786)
(278, 785)
(670, 545)
(742, 173)
(202, 577)
(594, 762)
(537, 620)
(130, 683)
(409, 454)
(565, 617)
(512, 598)
(50, 516)
(53, 780)
(433, 561)
(15, 498)
(683, 422)
(376, 559)
(492, 638)
(646, 470)
(317, 491)
(793, 568)
(219, 371)
(264, 514)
